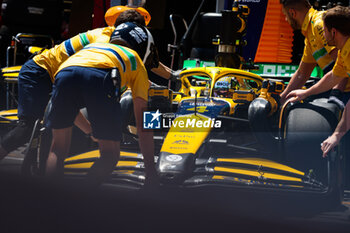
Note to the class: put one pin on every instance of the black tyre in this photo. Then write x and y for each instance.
(306, 126)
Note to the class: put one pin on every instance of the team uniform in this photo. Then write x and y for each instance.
(36, 78)
(342, 69)
(53, 58)
(93, 78)
(37, 75)
(342, 65)
(316, 48)
(84, 81)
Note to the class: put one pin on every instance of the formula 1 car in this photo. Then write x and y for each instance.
(197, 84)
(242, 87)
(236, 139)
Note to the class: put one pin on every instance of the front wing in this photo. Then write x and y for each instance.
(229, 173)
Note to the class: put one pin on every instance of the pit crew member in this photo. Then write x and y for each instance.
(300, 15)
(90, 78)
(337, 32)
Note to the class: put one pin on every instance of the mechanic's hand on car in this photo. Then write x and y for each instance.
(328, 144)
(282, 98)
(296, 95)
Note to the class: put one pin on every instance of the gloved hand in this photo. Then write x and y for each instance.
(175, 75)
(336, 97)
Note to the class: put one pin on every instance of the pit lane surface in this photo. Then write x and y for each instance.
(32, 206)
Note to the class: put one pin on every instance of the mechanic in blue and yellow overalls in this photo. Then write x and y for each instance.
(36, 77)
(94, 78)
(35, 84)
(336, 33)
(300, 15)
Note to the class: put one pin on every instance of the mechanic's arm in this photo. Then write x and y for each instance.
(343, 126)
(145, 139)
(326, 83)
(298, 79)
(163, 71)
(342, 85)
(167, 73)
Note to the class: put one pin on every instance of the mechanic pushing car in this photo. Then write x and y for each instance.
(36, 77)
(336, 33)
(300, 15)
(94, 78)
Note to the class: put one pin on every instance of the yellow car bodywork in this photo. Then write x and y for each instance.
(186, 141)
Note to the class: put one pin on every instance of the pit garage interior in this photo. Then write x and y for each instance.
(186, 33)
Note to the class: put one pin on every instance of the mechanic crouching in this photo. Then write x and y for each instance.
(94, 78)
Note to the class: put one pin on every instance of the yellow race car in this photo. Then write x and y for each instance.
(228, 133)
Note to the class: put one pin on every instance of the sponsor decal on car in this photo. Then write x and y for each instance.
(173, 158)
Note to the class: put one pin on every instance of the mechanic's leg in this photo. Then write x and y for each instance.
(152, 178)
(82, 123)
(61, 139)
(16, 137)
(104, 166)
(34, 86)
(3, 153)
